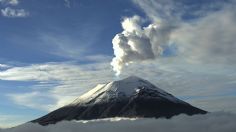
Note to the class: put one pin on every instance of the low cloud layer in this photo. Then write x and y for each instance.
(213, 122)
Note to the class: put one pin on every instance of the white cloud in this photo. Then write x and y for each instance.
(52, 71)
(210, 39)
(10, 12)
(190, 82)
(157, 10)
(57, 84)
(213, 122)
(175, 11)
(138, 44)
(204, 39)
(203, 70)
(4, 66)
(205, 66)
(9, 2)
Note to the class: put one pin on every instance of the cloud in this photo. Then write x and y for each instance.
(210, 39)
(7, 120)
(41, 98)
(137, 44)
(157, 10)
(190, 82)
(203, 39)
(215, 103)
(97, 58)
(4, 66)
(62, 45)
(9, 2)
(66, 71)
(14, 13)
(71, 45)
(213, 122)
(203, 68)
(177, 11)
(55, 84)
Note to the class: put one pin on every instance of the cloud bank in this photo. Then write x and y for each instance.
(213, 122)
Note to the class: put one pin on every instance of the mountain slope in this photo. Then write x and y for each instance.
(130, 97)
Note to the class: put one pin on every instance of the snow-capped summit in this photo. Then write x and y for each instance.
(120, 89)
(130, 97)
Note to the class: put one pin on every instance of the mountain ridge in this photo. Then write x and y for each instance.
(129, 97)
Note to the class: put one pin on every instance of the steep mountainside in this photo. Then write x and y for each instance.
(130, 97)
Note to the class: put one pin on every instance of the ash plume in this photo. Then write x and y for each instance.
(137, 43)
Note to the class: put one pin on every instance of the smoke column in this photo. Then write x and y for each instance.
(137, 43)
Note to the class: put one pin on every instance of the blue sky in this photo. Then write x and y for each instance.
(52, 51)
(82, 25)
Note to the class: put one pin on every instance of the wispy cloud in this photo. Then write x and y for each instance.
(8, 121)
(176, 11)
(209, 39)
(60, 83)
(46, 102)
(97, 58)
(70, 45)
(9, 2)
(62, 45)
(199, 39)
(14, 13)
(67, 3)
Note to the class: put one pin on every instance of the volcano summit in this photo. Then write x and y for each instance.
(131, 97)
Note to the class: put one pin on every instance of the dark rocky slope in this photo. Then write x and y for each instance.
(130, 97)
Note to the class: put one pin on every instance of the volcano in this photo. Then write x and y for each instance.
(132, 97)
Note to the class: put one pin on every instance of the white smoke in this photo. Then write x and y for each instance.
(137, 43)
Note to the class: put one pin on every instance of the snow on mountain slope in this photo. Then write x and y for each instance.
(131, 97)
(118, 89)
